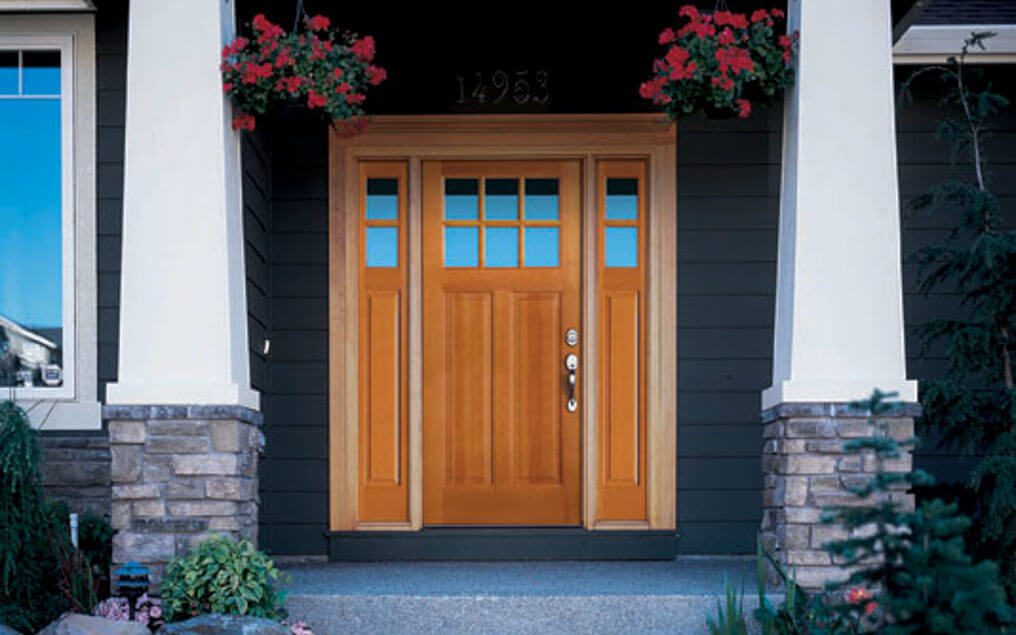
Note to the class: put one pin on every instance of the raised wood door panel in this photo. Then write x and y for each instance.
(500, 446)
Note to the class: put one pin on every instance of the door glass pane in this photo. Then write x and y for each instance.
(621, 246)
(461, 199)
(501, 199)
(41, 72)
(8, 72)
(501, 247)
(382, 199)
(622, 199)
(462, 246)
(541, 199)
(541, 246)
(382, 246)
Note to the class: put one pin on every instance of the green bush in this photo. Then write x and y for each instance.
(222, 576)
(41, 574)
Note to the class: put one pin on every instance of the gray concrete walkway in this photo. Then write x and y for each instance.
(515, 597)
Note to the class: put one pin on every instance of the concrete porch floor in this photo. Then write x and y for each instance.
(515, 597)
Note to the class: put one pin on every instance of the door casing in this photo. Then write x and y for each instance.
(587, 138)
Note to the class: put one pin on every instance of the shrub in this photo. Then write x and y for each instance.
(915, 560)
(222, 576)
(41, 573)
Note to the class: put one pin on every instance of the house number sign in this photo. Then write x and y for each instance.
(503, 88)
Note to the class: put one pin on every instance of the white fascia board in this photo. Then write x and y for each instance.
(46, 5)
(936, 44)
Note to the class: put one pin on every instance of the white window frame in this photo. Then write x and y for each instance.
(74, 404)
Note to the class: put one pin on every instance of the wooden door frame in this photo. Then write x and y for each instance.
(591, 138)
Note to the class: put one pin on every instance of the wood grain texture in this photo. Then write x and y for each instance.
(500, 446)
(586, 139)
(622, 356)
(383, 425)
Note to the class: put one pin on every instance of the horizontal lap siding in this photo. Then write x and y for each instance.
(111, 95)
(294, 470)
(728, 207)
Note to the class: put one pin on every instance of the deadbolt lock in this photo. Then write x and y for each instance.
(571, 337)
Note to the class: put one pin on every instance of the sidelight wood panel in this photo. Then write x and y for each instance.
(622, 344)
(383, 489)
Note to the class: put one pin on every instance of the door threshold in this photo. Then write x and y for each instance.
(502, 543)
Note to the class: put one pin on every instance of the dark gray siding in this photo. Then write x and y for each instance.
(257, 206)
(111, 71)
(728, 183)
(294, 472)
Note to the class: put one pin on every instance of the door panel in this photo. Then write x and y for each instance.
(501, 276)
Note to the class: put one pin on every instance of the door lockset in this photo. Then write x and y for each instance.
(571, 364)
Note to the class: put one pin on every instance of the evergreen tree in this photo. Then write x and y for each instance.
(910, 572)
(974, 407)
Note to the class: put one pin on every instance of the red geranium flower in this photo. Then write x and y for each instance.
(316, 100)
(743, 108)
(376, 75)
(243, 121)
(355, 98)
(667, 36)
(364, 49)
(318, 23)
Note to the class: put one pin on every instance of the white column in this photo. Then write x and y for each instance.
(183, 328)
(839, 297)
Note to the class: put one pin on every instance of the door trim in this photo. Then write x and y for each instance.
(412, 139)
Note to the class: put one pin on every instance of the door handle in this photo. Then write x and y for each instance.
(571, 364)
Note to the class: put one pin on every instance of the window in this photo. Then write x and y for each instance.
(514, 230)
(47, 210)
(32, 292)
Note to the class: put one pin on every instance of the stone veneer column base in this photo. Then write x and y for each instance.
(806, 470)
(181, 474)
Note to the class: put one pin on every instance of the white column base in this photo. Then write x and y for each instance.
(181, 393)
(836, 391)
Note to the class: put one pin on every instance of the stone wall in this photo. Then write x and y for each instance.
(181, 474)
(806, 470)
(75, 469)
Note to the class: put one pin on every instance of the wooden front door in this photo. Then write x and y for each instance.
(501, 278)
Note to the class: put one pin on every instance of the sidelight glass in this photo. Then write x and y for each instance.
(621, 246)
(382, 246)
(622, 199)
(382, 199)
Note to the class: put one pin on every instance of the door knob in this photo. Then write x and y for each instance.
(571, 364)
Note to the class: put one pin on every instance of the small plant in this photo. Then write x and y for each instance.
(222, 576)
(320, 68)
(721, 62)
(147, 610)
(730, 618)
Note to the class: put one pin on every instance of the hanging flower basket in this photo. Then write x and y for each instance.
(721, 63)
(319, 68)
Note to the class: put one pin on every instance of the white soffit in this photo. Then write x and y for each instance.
(936, 44)
(46, 5)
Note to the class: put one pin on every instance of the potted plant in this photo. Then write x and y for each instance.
(721, 63)
(319, 67)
